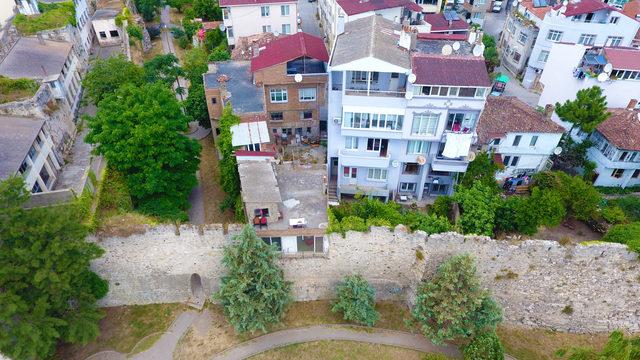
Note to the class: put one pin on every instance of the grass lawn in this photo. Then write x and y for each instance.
(320, 350)
(209, 181)
(56, 16)
(540, 344)
(123, 327)
(16, 89)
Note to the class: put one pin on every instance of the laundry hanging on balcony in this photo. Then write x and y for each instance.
(457, 145)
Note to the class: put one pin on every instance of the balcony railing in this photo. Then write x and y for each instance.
(386, 93)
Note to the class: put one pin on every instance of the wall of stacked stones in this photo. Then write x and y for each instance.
(597, 286)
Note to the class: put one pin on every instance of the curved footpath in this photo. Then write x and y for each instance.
(333, 332)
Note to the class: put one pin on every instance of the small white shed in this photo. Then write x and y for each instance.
(104, 25)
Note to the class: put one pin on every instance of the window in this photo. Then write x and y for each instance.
(617, 173)
(277, 116)
(480, 92)
(408, 187)
(543, 56)
(377, 174)
(278, 95)
(374, 144)
(534, 140)
(516, 140)
(425, 124)
(284, 10)
(453, 91)
(286, 29)
(505, 160)
(614, 19)
(587, 39)
(460, 122)
(309, 243)
(253, 147)
(516, 56)
(495, 141)
(514, 160)
(103, 35)
(230, 31)
(264, 11)
(361, 76)
(261, 212)
(275, 240)
(351, 143)
(44, 175)
(614, 41)
(510, 161)
(350, 172)
(114, 33)
(36, 188)
(554, 35)
(467, 92)
(522, 37)
(411, 168)
(477, 15)
(214, 101)
(307, 94)
(225, 14)
(636, 174)
(306, 114)
(417, 147)
(33, 153)
(511, 27)
(373, 121)
(24, 167)
(266, 28)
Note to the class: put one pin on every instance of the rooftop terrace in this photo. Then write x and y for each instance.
(236, 77)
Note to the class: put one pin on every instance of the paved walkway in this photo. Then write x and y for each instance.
(334, 332)
(308, 22)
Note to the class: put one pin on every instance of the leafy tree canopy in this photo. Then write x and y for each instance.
(179, 5)
(48, 291)
(208, 10)
(148, 8)
(253, 293)
(195, 106)
(587, 111)
(229, 177)
(452, 305)
(163, 68)
(484, 346)
(107, 75)
(482, 169)
(618, 347)
(139, 130)
(628, 234)
(196, 63)
(357, 300)
(479, 204)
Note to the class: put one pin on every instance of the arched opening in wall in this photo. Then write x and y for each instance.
(197, 292)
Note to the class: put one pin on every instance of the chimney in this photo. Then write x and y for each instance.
(40, 39)
(548, 110)
(340, 25)
(632, 104)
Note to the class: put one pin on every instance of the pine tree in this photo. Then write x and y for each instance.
(587, 111)
(253, 293)
(356, 300)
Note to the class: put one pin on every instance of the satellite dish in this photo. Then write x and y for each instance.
(608, 68)
(557, 150)
(297, 78)
(408, 95)
(472, 38)
(477, 50)
(412, 78)
(456, 46)
(276, 33)
(421, 160)
(395, 163)
(447, 50)
(602, 77)
(471, 156)
(222, 27)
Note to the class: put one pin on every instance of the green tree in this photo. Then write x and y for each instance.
(491, 57)
(229, 177)
(581, 199)
(628, 234)
(479, 204)
(134, 31)
(107, 75)
(452, 305)
(179, 5)
(163, 68)
(148, 8)
(48, 291)
(442, 206)
(482, 169)
(195, 106)
(139, 130)
(195, 64)
(356, 300)
(618, 347)
(253, 292)
(213, 39)
(219, 54)
(587, 111)
(484, 346)
(208, 10)
(429, 223)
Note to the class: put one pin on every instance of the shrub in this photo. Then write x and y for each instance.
(16, 89)
(378, 222)
(484, 346)
(219, 54)
(479, 204)
(614, 215)
(356, 301)
(134, 31)
(52, 16)
(628, 234)
(567, 310)
(353, 223)
(442, 206)
(631, 206)
(618, 347)
(581, 199)
(431, 224)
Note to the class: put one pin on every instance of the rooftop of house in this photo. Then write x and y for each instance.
(632, 9)
(434, 47)
(252, 2)
(450, 70)
(373, 36)
(537, 11)
(622, 129)
(623, 58)
(105, 14)
(289, 48)
(35, 59)
(258, 181)
(17, 134)
(540, 8)
(507, 114)
(236, 76)
(438, 23)
(352, 7)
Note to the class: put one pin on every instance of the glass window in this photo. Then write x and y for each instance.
(514, 161)
(306, 114)
(284, 10)
(467, 92)
(516, 140)
(636, 174)
(350, 142)
(44, 175)
(614, 20)
(24, 167)
(460, 122)
(417, 147)
(286, 29)
(374, 144)
(522, 37)
(266, 28)
(516, 56)
(614, 41)
(278, 95)
(587, 39)
(411, 168)
(554, 35)
(350, 172)
(408, 187)
(264, 11)
(33, 153)
(453, 91)
(274, 240)
(425, 124)
(617, 173)
(480, 92)
(511, 27)
(543, 56)
(277, 116)
(377, 174)
(534, 140)
(307, 94)
(36, 188)
(506, 159)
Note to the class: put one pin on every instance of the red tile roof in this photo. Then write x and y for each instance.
(289, 48)
(439, 23)
(622, 129)
(507, 114)
(449, 70)
(210, 25)
(623, 58)
(443, 36)
(632, 9)
(538, 12)
(252, 2)
(352, 7)
(584, 7)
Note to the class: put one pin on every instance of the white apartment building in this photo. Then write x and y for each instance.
(616, 149)
(401, 116)
(585, 22)
(26, 149)
(249, 17)
(574, 67)
(334, 14)
(520, 138)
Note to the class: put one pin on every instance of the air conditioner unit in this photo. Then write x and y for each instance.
(337, 120)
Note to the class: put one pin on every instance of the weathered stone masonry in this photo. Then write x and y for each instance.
(533, 280)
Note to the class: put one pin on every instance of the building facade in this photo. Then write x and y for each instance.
(247, 17)
(401, 122)
(585, 22)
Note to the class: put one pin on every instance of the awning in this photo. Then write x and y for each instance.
(502, 78)
(249, 133)
(457, 145)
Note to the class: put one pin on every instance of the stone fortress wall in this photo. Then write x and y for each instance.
(533, 280)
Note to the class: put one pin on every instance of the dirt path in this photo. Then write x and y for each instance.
(211, 192)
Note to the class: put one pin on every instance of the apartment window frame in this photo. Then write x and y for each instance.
(286, 29)
(636, 174)
(265, 11)
(511, 27)
(283, 12)
(614, 41)
(276, 116)
(410, 168)
(418, 147)
(533, 141)
(555, 35)
(617, 173)
(374, 174)
(614, 19)
(374, 144)
(523, 37)
(278, 95)
(306, 115)
(307, 94)
(516, 140)
(351, 142)
(543, 56)
(266, 29)
(408, 187)
(349, 172)
(587, 39)
(425, 124)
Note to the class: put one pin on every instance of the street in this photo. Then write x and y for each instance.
(307, 13)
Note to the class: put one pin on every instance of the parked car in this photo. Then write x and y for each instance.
(497, 6)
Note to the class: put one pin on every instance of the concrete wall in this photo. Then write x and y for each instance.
(600, 282)
(247, 20)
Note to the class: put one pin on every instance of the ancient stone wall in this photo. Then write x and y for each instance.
(597, 286)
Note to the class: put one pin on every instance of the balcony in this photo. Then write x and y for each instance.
(306, 66)
(369, 159)
(368, 83)
(440, 163)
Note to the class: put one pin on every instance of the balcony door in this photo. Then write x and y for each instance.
(378, 145)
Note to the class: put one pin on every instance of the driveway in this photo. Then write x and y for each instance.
(494, 22)
(307, 13)
(515, 88)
